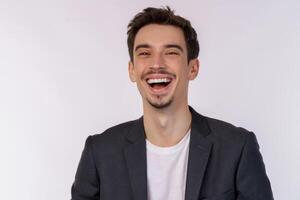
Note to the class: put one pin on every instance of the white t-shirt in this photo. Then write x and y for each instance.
(166, 170)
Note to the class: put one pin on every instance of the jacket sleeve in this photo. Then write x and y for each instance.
(87, 184)
(251, 179)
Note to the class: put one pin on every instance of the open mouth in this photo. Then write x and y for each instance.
(158, 83)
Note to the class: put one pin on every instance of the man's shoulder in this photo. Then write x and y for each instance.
(116, 132)
(224, 130)
(224, 126)
(218, 126)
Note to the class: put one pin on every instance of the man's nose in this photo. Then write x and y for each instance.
(158, 61)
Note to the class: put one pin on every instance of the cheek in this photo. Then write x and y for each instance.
(181, 69)
(143, 61)
(136, 70)
(139, 64)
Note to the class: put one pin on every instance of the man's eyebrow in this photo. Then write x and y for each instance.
(141, 46)
(165, 46)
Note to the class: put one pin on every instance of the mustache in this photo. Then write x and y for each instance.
(157, 71)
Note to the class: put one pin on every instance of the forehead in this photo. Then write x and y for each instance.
(160, 35)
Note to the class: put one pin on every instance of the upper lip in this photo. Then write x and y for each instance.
(159, 76)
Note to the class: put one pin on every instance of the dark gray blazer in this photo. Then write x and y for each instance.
(224, 164)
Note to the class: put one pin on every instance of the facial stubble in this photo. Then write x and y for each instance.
(160, 105)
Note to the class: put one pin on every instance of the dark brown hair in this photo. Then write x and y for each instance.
(163, 16)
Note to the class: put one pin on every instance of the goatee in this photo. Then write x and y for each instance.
(160, 105)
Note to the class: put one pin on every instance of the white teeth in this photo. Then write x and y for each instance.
(158, 80)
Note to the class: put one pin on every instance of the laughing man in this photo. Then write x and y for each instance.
(171, 152)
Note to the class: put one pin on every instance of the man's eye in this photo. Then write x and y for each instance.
(143, 53)
(172, 53)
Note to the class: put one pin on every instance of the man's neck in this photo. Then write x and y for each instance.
(167, 126)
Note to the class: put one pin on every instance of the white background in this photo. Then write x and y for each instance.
(63, 76)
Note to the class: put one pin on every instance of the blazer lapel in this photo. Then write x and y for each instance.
(199, 153)
(135, 156)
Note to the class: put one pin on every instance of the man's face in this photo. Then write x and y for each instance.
(160, 66)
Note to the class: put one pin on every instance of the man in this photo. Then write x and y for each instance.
(172, 152)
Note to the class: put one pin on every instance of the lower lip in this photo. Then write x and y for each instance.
(160, 91)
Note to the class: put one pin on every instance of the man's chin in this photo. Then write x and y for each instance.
(160, 105)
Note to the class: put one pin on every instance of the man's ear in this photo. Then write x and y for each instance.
(131, 71)
(194, 66)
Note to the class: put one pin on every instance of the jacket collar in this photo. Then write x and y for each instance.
(200, 147)
(199, 152)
